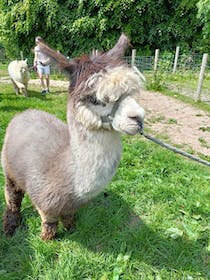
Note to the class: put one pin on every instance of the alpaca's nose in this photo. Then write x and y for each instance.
(139, 120)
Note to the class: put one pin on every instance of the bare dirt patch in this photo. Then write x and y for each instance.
(181, 123)
(54, 83)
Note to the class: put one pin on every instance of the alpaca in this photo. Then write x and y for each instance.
(63, 166)
(19, 74)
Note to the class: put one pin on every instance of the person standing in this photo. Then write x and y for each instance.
(42, 64)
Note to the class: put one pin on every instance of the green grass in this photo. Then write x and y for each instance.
(151, 223)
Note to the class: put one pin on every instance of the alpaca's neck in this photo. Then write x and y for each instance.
(95, 156)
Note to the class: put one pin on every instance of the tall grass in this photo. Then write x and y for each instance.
(152, 222)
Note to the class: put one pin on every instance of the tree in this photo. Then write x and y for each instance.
(21, 21)
(204, 16)
(74, 27)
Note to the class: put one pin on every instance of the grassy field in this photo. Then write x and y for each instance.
(152, 222)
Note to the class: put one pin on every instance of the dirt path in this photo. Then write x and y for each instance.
(181, 123)
(178, 122)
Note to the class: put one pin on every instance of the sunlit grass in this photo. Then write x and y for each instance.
(152, 222)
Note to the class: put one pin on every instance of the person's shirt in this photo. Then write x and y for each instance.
(40, 56)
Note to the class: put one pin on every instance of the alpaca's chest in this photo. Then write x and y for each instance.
(96, 167)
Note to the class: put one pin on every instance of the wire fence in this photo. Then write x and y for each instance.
(190, 62)
(184, 81)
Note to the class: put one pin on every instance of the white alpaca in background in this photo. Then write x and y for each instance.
(19, 74)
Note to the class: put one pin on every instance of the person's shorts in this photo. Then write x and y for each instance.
(44, 70)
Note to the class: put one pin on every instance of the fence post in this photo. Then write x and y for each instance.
(201, 76)
(156, 59)
(21, 55)
(176, 59)
(133, 57)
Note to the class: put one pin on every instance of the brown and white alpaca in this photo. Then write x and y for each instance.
(62, 166)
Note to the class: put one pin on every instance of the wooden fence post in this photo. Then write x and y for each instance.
(176, 59)
(133, 57)
(201, 76)
(156, 59)
(21, 55)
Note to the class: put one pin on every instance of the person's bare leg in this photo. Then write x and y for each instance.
(48, 82)
(42, 81)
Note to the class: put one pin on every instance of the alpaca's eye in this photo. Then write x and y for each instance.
(93, 100)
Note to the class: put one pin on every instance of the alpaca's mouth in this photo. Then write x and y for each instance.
(138, 122)
(130, 132)
(133, 129)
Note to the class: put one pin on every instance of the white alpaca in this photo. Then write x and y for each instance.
(19, 74)
(62, 166)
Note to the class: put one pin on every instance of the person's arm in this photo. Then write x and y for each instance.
(35, 58)
(47, 61)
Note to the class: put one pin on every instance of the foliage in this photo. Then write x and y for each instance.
(204, 16)
(156, 83)
(152, 222)
(74, 27)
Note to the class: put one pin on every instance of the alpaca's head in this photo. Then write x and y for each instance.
(103, 89)
(22, 66)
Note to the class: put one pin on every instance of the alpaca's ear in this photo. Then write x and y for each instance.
(58, 58)
(118, 51)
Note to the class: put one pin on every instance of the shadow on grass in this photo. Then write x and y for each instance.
(15, 254)
(110, 225)
(59, 92)
(20, 103)
(12, 96)
(107, 225)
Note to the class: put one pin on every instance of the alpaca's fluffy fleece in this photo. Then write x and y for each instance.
(19, 74)
(116, 82)
(108, 86)
(62, 166)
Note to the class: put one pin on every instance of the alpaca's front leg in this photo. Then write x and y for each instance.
(12, 212)
(69, 222)
(49, 226)
(15, 87)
